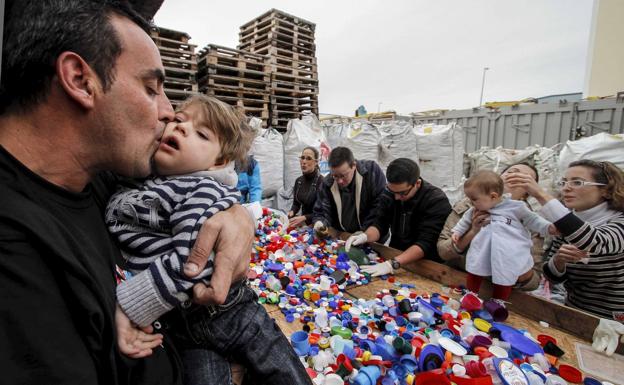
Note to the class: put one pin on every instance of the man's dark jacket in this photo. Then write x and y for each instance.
(417, 221)
(372, 184)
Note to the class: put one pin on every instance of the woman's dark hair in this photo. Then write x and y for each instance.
(314, 150)
(403, 170)
(609, 174)
(523, 164)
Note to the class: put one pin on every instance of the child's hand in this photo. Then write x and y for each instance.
(132, 340)
(455, 238)
(552, 230)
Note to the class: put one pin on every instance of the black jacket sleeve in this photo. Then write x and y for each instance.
(376, 188)
(384, 213)
(323, 208)
(435, 211)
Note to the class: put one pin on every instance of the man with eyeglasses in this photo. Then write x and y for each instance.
(414, 210)
(349, 194)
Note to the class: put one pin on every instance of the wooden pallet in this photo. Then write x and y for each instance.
(293, 89)
(282, 26)
(174, 45)
(261, 46)
(179, 63)
(286, 103)
(243, 93)
(180, 74)
(233, 72)
(170, 34)
(218, 50)
(250, 105)
(280, 15)
(287, 57)
(305, 81)
(234, 83)
(281, 35)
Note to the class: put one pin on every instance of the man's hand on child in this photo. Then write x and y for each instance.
(133, 341)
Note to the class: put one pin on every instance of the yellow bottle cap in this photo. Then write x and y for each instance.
(482, 325)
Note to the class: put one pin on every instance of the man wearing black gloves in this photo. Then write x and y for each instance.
(414, 210)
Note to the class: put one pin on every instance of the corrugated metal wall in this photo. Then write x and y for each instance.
(543, 124)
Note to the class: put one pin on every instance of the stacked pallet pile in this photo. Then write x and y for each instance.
(288, 43)
(180, 62)
(236, 77)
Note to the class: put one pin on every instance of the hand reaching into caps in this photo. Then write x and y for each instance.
(320, 230)
(383, 268)
(357, 238)
(607, 336)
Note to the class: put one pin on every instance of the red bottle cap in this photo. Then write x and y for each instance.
(544, 338)
(433, 377)
(570, 373)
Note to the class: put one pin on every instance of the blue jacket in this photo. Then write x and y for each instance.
(249, 182)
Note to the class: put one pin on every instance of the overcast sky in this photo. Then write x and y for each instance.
(417, 55)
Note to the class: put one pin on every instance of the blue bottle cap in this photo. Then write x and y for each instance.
(518, 340)
(431, 357)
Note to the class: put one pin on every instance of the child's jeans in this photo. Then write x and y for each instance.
(240, 330)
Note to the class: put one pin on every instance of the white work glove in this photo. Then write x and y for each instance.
(607, 336)
(320, 230)
(357, 238)
(383, 268)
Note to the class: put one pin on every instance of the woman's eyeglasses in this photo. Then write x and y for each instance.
(308, 158)
(576, 183)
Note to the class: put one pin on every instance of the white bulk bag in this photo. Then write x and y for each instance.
(336, 133)
(363, 140)
(599, 147)
(440, 151)
(398, 140)
(267, 149)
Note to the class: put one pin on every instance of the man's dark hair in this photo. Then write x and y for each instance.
(37, 32)
(403, 170)
(340, 155)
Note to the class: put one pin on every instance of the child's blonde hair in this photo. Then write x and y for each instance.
(228, 123)
(486, 182)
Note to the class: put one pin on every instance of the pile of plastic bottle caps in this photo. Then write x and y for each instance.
(296, 271)
(399, 337)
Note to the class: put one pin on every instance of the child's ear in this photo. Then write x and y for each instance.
(494, 195)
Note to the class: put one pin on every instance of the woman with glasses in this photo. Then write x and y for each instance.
(588, 257)
(455, 257)
(306, 187)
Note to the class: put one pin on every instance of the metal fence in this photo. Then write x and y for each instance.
(544, 124)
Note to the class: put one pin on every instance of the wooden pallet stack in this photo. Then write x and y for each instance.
(288, 43)
(239, 78)
(180, 62)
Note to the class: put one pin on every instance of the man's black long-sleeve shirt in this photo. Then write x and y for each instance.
(417, 221)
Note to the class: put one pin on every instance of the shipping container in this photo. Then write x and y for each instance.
(529, 124)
